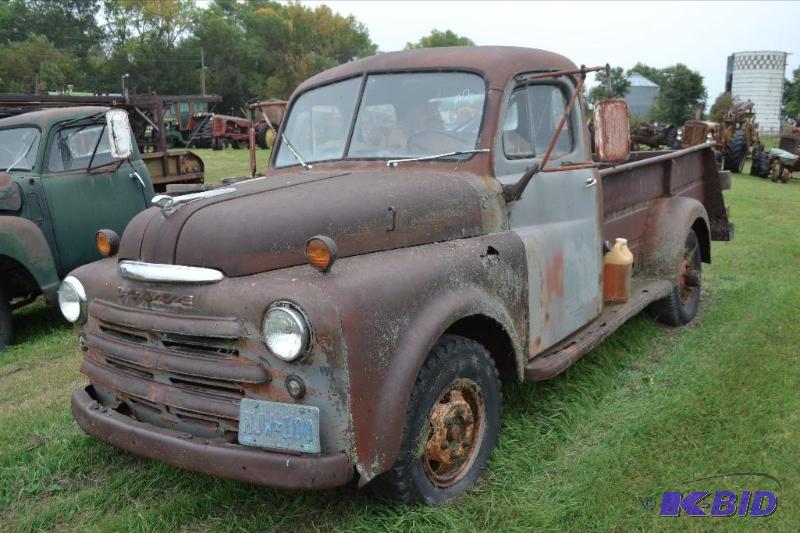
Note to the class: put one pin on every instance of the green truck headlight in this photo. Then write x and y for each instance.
(72, 300)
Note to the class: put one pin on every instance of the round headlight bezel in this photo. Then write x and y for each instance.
(71, 286)
(299, 319)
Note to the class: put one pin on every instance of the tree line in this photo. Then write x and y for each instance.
(239, 50)
(254, 49)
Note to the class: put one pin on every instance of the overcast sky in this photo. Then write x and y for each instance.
(698, 34)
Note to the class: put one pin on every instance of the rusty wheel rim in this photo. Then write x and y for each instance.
(456, 426)
(689, 277)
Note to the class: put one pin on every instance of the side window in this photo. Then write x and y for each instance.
(547, 104)
(72, 148)
(517, 137)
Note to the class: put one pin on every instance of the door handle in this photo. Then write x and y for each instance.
(135, 175)
(591, 181)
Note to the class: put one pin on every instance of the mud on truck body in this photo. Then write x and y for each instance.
(423, 232)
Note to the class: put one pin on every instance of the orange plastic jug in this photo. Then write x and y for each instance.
(617, 272)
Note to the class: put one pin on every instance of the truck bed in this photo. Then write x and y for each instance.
(630, 190)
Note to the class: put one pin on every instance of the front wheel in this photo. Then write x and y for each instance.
(451, 426)
(5, 318)
(681, 305)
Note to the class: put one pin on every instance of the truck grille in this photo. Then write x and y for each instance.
(179, 372)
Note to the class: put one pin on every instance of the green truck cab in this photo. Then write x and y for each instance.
(62, 176)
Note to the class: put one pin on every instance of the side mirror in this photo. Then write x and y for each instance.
(612, 131)
(119, 133)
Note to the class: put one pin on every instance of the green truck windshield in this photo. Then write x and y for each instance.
(401, 115)
(18, 148)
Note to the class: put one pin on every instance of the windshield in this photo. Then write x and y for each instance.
(401, 115)
(18, 148)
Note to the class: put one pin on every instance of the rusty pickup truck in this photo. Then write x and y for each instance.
(432, 223)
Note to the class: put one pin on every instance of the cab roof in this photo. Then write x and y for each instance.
(46, 117)
(498, 63)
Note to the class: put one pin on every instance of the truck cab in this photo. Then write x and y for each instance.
(59, 184)
(431, 222)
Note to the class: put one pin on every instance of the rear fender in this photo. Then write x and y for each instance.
(24, 242)
(665, 238)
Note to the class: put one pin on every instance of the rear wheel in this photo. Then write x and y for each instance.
(735, 152)
(680, 307)
(5, 318)
(451, 426)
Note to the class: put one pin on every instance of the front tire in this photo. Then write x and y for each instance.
(680, 307)
(5, 318)
(451, 426)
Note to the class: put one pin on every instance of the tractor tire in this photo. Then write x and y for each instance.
(451, 426)
(5, 318)
(759, 165)
(681, 305)
(671, 138)
(261, 136)
(217, 144)
(735, 152)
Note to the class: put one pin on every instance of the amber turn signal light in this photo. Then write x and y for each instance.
(321, 252)
(107, 242)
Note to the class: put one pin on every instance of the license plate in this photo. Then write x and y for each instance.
(279, 426)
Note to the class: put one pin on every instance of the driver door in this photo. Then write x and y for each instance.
(558, 216)
(81, 201)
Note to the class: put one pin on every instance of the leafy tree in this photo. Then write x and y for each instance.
(791, 95)
(265, 49)
(69, 25)
(682, 91)
(144, 37)
(619, 85)
(721, 105)
(35, 61)
(438, 39)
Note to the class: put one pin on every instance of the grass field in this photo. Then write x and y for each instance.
(651, 408)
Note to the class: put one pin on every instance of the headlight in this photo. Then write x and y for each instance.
(72, 299)
(286, 331)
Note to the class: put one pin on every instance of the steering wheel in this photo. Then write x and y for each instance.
(413, 141)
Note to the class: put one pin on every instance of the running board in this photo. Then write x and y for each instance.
(555, 360)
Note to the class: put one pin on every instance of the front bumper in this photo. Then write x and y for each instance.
(231, 461)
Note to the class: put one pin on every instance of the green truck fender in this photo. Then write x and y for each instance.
(22, 241)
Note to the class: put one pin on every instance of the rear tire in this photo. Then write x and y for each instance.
(735, 152)
(5, 318)
(680, 307)
(451, 426)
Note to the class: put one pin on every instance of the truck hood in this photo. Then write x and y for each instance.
(264, 224)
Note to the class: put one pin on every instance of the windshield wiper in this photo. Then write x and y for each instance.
(294, 152)
(394, 162)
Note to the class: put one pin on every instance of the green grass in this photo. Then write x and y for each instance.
(652, 407)
(229, 162)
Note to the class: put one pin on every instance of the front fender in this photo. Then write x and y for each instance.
(671, 220)
(395, 305)
(23, 241)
